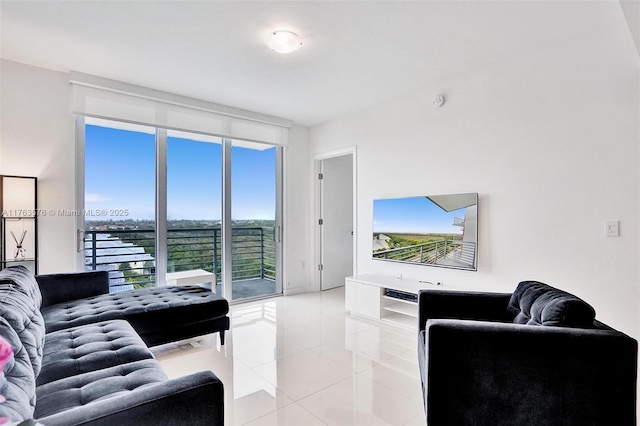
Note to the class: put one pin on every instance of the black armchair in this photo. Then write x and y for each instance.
(534, 357)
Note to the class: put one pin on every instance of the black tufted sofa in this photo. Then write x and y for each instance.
(536, 356)
(81, 356)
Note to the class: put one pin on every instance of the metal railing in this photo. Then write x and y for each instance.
(432, 252)
(129, 255)
(458, 221)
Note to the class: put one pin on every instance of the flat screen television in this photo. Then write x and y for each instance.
(433, 230)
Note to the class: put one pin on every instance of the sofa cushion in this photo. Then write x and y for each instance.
(19, 305)
(22, 279)
(58, 288)
(17, 384)
(536, 303)
(83, 389)
(88, 348)
(180, 305)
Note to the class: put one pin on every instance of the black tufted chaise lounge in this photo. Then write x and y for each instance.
(81, 357)
(159, 314)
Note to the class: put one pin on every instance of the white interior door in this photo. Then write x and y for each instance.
(336, 231)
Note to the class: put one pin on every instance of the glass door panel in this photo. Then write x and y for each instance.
(194, 196)
(255, 222)
(119, 202)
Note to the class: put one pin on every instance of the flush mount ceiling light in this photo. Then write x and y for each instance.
(283, 41)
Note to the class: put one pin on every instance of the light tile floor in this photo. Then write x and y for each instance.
(302, 360)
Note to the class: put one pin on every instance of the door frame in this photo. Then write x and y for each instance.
(317, 209)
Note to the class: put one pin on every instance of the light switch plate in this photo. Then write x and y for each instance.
(612, 228)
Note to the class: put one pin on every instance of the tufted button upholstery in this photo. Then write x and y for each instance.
(90, 347)
(94, 362)
(21, 279)
(163, 304)
(17, 383)
(20, 300)
(86, 388)
(536, 303)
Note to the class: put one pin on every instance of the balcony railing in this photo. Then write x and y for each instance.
(129, 255)
(432, 252)
(458, 221)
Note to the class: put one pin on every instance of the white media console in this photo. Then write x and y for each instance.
(366, 295)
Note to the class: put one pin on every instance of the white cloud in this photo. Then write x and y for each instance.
(95, 198)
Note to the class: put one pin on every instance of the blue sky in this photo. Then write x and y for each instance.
(120, 174)
(413, 215)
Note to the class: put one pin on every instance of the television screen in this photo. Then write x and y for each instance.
(435, 230)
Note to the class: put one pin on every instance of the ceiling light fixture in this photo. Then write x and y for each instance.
(284, 41)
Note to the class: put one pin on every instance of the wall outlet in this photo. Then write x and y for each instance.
(612, 228)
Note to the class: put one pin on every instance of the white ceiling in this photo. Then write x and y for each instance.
(354, 54)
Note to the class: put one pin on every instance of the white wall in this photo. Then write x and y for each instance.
(297, 211)
(548, 139)
(37, 139)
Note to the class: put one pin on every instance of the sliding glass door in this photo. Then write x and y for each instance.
(119, 201)
(168, 190)
(254, 219)
(194, 213)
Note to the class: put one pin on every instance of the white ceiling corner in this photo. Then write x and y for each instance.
(631, 10)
